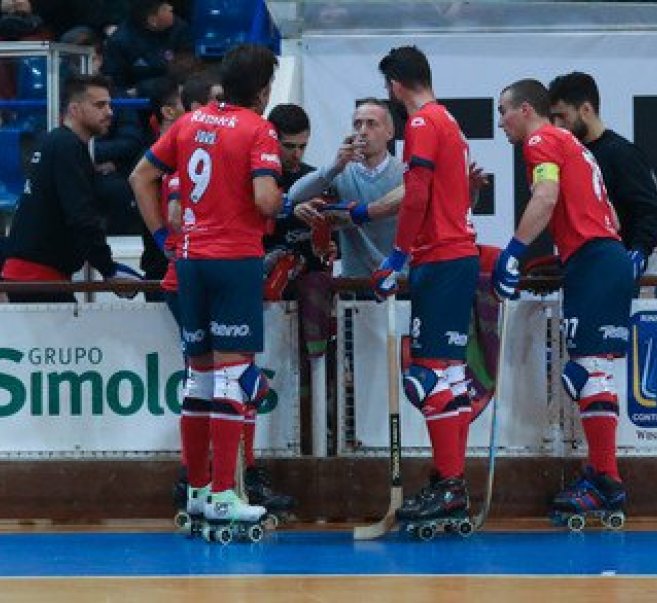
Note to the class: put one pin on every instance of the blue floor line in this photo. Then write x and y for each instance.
(329, 553)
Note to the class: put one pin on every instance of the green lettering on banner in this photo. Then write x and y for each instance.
(36, 387)
(153, 384)
(113, 389)
(12, 385)
(171, 391)
(75, 382)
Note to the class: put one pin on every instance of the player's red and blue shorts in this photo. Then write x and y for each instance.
(221, 305)
(442, 294)
(597, 294)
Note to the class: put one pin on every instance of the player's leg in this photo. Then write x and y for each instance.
(198, 390)
(597, 296)
(441, 300)
(236, 328)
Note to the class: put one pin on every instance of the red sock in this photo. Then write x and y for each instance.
(249, 436)
(226, 431)
(195, 437)
(465, 415)
(600, 430)
(444, 425)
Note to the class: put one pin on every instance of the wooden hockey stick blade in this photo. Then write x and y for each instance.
(380, 528)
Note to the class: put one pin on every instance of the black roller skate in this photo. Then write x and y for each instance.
(189, 519)
(443, 504)
(594, 495)
(228, 518)
(258, 488)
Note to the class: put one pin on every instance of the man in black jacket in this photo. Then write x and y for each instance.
(151, 43)
(628, 176)
(57, 228)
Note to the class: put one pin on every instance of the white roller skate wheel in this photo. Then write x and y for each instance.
(576, 523)
(465, 528)
(270, 522)
(615, 521)
(208, 533)
(426, 532)
(224, 536)
(255, 533)
(182, 520)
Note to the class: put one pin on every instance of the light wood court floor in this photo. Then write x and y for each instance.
(370, 589)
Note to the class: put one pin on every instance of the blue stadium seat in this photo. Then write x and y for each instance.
(32, 78)
(12, 139)
(221, 24)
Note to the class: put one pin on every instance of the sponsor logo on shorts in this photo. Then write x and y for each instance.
(612, 332)
(456, 338)
(223, 330)
(416, 326)
(193, 336)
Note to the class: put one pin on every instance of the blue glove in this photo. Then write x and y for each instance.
(287, 209)
(506, 274)
(123, 272)
(384, 278)
(160, 237)
(357, 211)
(639, 262)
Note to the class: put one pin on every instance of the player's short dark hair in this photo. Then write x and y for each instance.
(162, 92)
(140, 10)
(289, 119)
(76, 86)
(245, 72)
(408, 65)
(575, 89)
(195, 90)
(531, 92)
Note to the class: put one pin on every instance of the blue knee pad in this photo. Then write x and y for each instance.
(574, 377)
(419, 383)
(254, 384)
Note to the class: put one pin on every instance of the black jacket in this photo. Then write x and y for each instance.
(632, 189)
(134, 54)
(56, 222)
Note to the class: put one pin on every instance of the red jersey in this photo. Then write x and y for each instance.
(433, 139)
(583, 211)
(218, 150)
(170, 191)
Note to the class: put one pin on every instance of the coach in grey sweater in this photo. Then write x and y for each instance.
(363, 172)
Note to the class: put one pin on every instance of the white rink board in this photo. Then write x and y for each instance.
(124, 360)
(523, 414)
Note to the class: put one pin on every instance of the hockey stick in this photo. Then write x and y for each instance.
(480, 518)
(385, 524)
(240, 488)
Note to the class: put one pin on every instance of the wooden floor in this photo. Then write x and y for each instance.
(411, 589)
(323, 588)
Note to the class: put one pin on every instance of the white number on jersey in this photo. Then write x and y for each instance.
(199, 169)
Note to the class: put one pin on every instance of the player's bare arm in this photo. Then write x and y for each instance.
(539, 210)
(267, 195)
(145, 183)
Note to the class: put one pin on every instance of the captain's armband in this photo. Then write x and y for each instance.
(545, 171)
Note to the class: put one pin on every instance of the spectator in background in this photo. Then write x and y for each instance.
(116, 153)
(363, 171)
(150, 43)
(57, 228)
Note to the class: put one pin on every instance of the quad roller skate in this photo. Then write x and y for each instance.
(190, 518)
(257, 484)
(442, 505)
(593, 495)
(228, 517)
